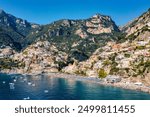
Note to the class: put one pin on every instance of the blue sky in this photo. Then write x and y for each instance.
(47, 11)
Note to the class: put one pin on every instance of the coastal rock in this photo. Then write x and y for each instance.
(49, 70)
(71, 68)
(92, 73)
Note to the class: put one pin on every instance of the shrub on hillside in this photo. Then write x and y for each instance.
(102, 73)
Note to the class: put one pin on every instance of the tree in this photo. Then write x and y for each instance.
(102, 73)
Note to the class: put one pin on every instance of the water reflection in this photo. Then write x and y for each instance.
(42, 87)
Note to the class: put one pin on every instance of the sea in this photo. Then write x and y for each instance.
(43, 87)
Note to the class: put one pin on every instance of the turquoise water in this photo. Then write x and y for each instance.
(18, 87)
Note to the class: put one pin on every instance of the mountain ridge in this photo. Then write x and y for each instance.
(94, 47)
(25, 27)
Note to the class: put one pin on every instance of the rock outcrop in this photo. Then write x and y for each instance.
(99, 24)
(93, 47)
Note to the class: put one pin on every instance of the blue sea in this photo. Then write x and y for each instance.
(42, 87)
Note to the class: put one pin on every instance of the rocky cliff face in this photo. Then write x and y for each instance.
(99, 24)
(138, 25)
(129, 58)
(71, 36)
(77, 35)
(13, 30)
(94, 47)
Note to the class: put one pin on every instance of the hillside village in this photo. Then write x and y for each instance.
(128, 57)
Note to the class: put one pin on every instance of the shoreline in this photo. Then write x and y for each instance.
(122, 84)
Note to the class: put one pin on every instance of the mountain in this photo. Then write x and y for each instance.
(128, 57)
(77, 36)
(13, 30)
(138, 28)
(93, 47)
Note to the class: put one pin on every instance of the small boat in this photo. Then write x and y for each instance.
(21, 77)
(46, 91)
(33, 85)
(24, 80)
(15, 80)
(29, 83)
(12, 86)
(28, 98)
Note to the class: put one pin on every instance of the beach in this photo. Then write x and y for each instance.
(125, 84)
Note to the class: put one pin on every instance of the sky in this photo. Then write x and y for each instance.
(47, 11)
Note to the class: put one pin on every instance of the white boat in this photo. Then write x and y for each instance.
(28, 98)
(15, 80)
(33, 85)
(12, 86)
(46, 91)
(29, 83)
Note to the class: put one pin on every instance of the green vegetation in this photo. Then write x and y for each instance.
(140, 47)
(8, 63)
(80, 73)
(132, 37)
(121, 38)
(114, 70)
(127, 70)
(142, 68)
(61, 64)
(127, 55)
(102, 73)
(113, 57)
(25, 53)
(107, 62)
(147, 64)
(145, 28)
